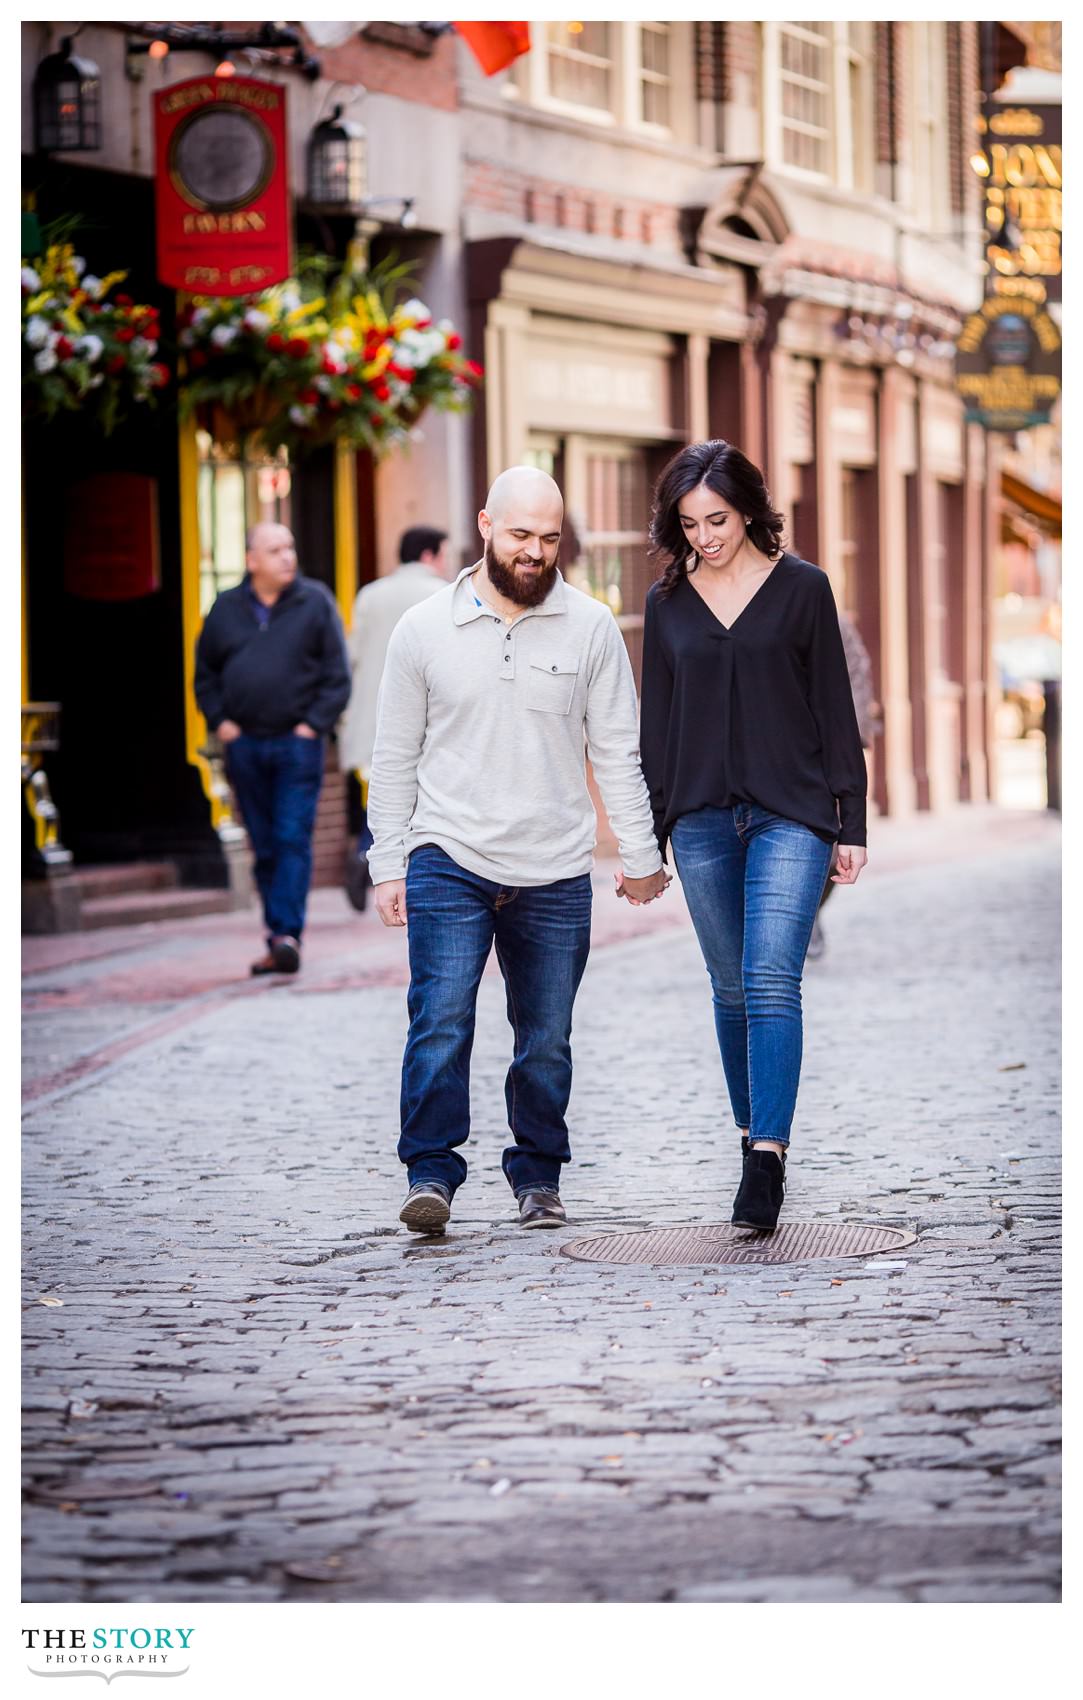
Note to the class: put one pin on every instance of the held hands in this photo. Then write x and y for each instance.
(643, 890)
(851, 860)
(391, 902)
(304, 730)
(227, 731)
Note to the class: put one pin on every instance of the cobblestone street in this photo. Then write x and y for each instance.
(244, 1380)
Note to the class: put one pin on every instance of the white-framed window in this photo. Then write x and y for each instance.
(609, 73)
(655, 74)
(928, 126)
(817, 100)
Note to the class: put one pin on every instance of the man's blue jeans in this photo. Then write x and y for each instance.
(752, 881)
(277, 781)
(542, 938)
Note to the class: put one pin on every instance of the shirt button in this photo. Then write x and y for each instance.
(507, 658)
(554, 669)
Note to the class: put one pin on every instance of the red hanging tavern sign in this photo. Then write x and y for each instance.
(221, 189)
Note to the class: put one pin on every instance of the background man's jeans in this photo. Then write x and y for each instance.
(752, 881)
(542, 937)
(277, 781)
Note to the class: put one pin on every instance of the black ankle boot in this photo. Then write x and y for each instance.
(759, 1196)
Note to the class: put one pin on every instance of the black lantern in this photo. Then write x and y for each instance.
(67, 103)
(337, 162)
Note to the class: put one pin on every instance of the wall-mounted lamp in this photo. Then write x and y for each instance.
(67, 103)
(337, 162)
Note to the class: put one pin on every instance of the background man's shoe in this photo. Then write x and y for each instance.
(357, 881)
(427, 1208)
(759, 1196)
(541, 1210)
(286, 953)
(283, 957)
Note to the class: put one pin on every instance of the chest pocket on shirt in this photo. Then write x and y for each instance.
(551, 683)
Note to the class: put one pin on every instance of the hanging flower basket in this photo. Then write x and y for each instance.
(84, 349)
(303, 369)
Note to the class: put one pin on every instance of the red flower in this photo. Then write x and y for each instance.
(472, 366)
(423, 324)
(297, 346)
(381, 391)
(197, 358)
(375, 419)
(405, 373)
(159, 374)
(354, 391)
(275, 342)
(310, 397)
(126, 335)
(63, 348)
(123, 301)
(328, 366)
(454, 340)
(117, 364)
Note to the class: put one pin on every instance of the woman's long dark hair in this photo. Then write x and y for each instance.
(731, 475)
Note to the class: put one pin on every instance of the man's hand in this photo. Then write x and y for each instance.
(304, 730)
(227, 731)
(851, 860)
(642, 890)
(391, 902)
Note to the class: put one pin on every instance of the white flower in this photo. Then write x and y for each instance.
(143, 348)
(91, 284)
(186, 339)
(323, 384)
(78, 265)
(91, 346)
(301, 415)
(289, 300)
(254, 320)
(97, 379)
(201, 315)
(415, 309)
(36, 332)
(31, 280)
(45, 361)
(223, 335)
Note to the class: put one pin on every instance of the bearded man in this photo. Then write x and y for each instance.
(494, 692)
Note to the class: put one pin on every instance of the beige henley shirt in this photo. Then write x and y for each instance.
(483, 729)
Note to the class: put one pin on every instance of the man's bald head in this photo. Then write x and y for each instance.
(526, 487)
(271, 557)
(520, 524)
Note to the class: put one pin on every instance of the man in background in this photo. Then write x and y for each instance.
(271, 680)
(423, 568)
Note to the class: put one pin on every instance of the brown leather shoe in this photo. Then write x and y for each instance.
(541, 1210)
(427, 1208)
(283, 957)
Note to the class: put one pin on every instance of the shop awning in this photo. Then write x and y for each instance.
(1038, 505)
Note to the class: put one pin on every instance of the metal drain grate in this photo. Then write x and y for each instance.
(794, 1242)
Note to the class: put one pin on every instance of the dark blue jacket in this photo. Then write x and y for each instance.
(268, 677)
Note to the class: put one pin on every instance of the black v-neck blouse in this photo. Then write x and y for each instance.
(757, 712)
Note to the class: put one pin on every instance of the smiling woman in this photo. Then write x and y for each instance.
(753, 758)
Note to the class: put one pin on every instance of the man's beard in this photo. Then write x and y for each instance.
(526, 591)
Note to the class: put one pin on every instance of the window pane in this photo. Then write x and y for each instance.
(580, 63)
(654, 78)
(805, 70)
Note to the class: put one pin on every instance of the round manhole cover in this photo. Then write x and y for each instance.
(794, 1242)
